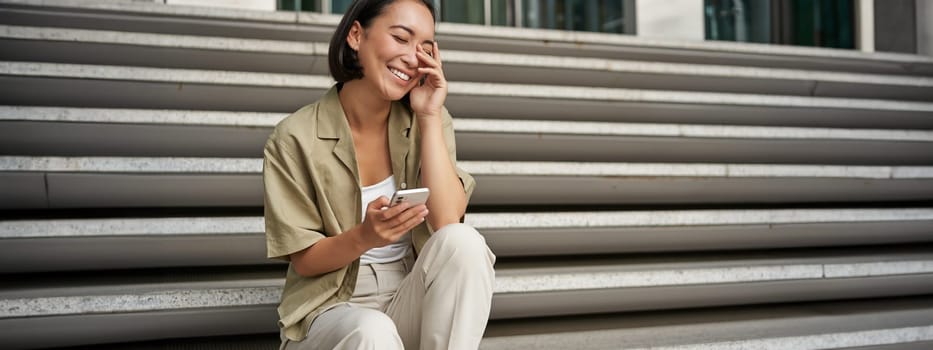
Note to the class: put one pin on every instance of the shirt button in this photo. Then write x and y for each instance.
(404, 185)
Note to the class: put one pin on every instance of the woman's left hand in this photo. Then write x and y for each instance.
(427, 99)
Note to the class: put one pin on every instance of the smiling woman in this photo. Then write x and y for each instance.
(363, 274)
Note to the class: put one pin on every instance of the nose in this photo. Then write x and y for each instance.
(410, 58)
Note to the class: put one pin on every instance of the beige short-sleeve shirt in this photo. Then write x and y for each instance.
(312, 191)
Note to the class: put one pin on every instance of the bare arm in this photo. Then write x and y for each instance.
(448, 201)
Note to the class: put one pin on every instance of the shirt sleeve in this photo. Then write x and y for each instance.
(292, 219)
(465, 178)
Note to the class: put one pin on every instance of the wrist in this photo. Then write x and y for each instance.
(353, 239)
(428, 122)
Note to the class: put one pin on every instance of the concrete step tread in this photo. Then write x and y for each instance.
(142, 116)
(100, 244)
(162, 40)
(101, 86)
(463, 124)
(201, 76)
(880, 324)
(107, 294)
(824, 325)
(578, 38)
(202, 165)
(141, 133)
(119, 182)
(224, 226)
(298, 81)
(457, 56)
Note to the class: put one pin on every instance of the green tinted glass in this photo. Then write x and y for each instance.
(825, 23)
(503, 13)
(340, 6)
(463, 11)
(605, 16)
(300, 5)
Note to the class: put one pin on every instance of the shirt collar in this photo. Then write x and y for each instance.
(332, 124)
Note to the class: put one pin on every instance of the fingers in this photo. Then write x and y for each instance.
(378, 203)
(432, 59)
(386, 212)
(407, 221)
(400, 221)
(396, 217)
(430, 67)
(430, 72)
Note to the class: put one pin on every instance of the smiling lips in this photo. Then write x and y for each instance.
(399, 74)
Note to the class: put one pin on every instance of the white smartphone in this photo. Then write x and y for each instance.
(414, 196)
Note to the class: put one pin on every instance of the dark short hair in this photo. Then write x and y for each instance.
(344, 64)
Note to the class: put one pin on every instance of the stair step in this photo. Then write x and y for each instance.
(127, 132)
(185, 20)
(83, 182)
(523, 289)
(872, 324)
(573, 286)
(895, 324)
(152, 117)
(45, 84)
(525, 140)
(69, 45)
(566, 233)
(193, 52)
(99, 244)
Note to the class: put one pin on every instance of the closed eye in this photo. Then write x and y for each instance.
(399, 39)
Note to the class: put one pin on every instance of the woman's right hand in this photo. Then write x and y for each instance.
(383, 226)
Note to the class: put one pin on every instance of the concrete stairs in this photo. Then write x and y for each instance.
(639, 193)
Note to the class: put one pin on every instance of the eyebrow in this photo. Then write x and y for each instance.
(411, 32)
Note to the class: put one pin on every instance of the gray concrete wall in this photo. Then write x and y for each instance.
(895, 26)
(924, 18)
(681, 19)
(267, 5)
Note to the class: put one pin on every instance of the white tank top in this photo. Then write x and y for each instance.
(392, 252)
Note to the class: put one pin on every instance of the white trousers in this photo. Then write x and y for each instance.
(441, 301)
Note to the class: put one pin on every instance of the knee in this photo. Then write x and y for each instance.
(373, 330)
(461, 237)
(463, 244)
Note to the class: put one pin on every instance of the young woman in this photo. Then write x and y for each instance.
(363, 274)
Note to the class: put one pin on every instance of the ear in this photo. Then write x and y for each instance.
(355, 35)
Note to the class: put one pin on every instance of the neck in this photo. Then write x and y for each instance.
(364, 109)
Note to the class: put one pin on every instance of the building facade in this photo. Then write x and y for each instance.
(674, 174)
(866, 25)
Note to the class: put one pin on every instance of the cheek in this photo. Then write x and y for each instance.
(388, 49)
(370, 57)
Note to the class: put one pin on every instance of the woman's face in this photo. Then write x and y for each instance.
(386, 50)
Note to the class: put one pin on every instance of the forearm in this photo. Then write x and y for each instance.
(447, 202)
(328, 254)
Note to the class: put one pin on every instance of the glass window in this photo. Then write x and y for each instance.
(300, 5)
(738, 20)
(503, 12)
(340, 6)
(607, 16)
(463, 11)
(825, 23)
(336, 6)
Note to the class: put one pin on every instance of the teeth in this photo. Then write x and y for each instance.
(399, 74)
